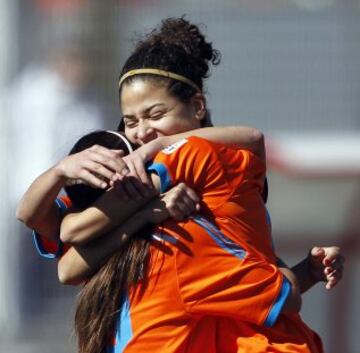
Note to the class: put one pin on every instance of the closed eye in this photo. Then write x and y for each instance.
(130, 123)
(157, 116)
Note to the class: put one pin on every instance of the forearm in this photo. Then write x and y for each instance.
(301, 271)
(108, 212)
(37, 208)
(303, 274)
(80, 262)
(103, 216)
(243, 137)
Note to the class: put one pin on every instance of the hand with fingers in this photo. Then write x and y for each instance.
(326, 264)
(178, 203)
(133, 181)
(94, 166)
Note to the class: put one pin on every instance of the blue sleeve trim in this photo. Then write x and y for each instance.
(161, 170)
(62, 206)
(41, 250)
(37, 237)
(220, 238)
(278, 305)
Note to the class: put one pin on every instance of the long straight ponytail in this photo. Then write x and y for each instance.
(103, 297)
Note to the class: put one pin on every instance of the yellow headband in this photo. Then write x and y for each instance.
(159, 73)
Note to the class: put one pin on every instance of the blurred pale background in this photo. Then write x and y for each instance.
(289, 67)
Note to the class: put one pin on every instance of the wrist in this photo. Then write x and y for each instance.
(59, 172)
(310, 270)
(144, 216)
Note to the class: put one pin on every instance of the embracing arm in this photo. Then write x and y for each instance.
(80, 262)
(322, 264)
(242, 137)
(106, 213)
(37, 209)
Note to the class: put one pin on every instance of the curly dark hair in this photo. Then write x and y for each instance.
(177, 46)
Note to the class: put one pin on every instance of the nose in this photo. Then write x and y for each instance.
(145, 132)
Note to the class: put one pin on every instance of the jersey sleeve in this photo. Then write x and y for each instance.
(193, 161)
(51, 249)
(224, 278)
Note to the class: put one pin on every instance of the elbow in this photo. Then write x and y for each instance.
(25, 217)
(71, 238)
(258, 137)
(22, 215)
(258, 142)
(65, 275)
(70, 234)
(64, 278)
(66, 236)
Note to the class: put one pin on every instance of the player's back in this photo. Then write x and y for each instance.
(163, 316)
(208, 287)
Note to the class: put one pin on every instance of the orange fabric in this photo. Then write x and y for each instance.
(200, 297)
(230, 182)
(192, 283)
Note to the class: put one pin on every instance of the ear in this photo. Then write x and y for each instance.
(198, 102)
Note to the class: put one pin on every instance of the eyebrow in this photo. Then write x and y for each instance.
(145, 111)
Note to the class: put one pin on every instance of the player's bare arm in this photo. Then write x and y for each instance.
(323, 264)
(92, 166)
(241, 137)
(80, 262)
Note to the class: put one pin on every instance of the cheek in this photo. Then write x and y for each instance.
(130, 134)
(172, 125)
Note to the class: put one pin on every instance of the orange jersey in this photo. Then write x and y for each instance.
(213, 285)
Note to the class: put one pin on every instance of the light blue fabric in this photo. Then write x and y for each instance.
(161, 170)
(280, 301)
(224, 242)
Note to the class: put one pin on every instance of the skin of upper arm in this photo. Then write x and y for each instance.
(37, 209)
(80, 262)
